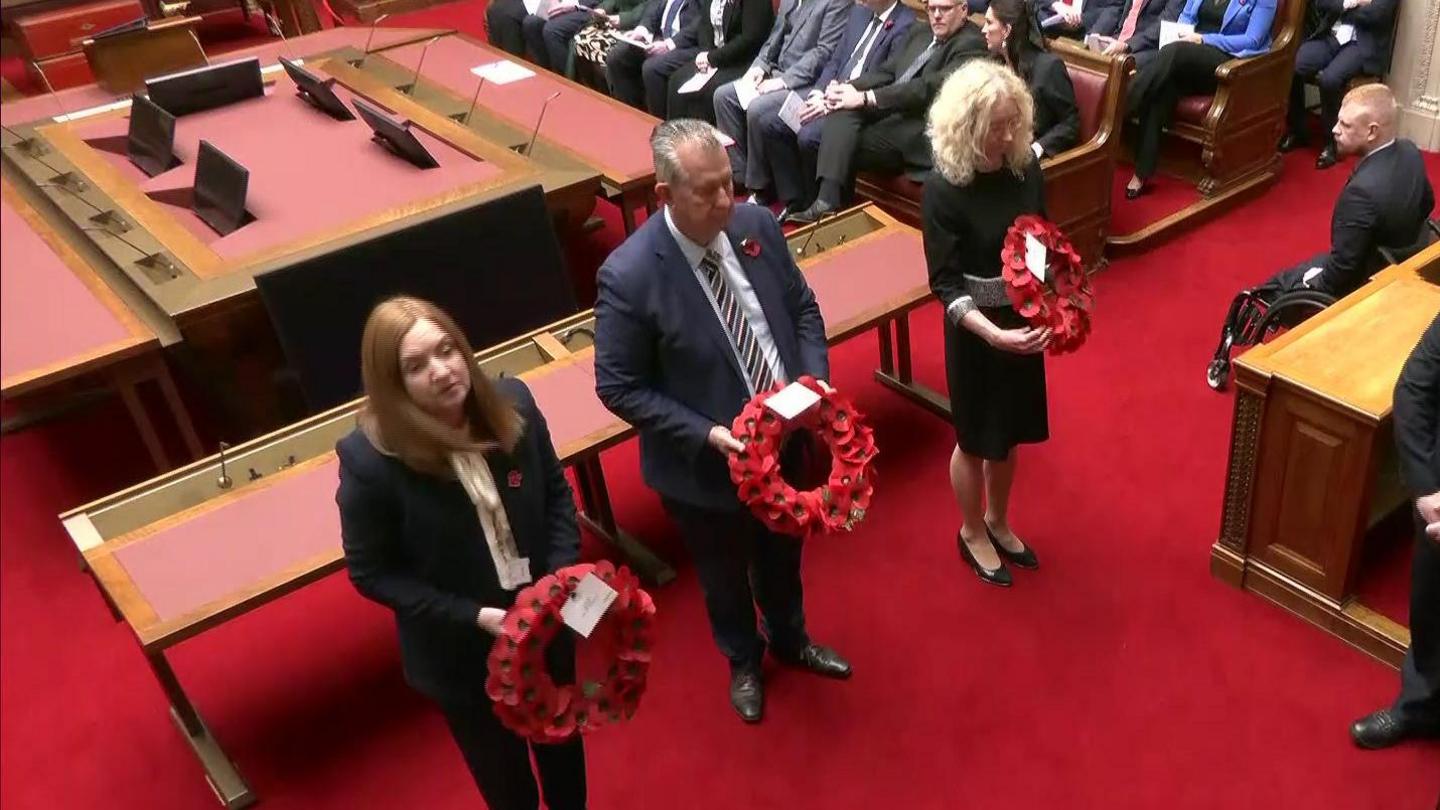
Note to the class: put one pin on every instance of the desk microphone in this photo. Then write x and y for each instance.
(473, 101)
(32, 146)
(368, 37)
(108, 217)
(814, 229)
(415, 83)
(49, 88)
(274, 25)
(158, 261)
(531, 146)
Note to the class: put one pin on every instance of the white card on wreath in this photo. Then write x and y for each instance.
(792, 400)
(587, 603)
(1036, 257)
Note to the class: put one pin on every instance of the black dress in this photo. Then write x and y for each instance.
(997, 398)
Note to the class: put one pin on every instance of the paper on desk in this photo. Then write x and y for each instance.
(502, 72)
(694, 83)
(1172, 31)
(746, 92)
(587, 603)
(790, 111)
(792, 400)
(1035, 257)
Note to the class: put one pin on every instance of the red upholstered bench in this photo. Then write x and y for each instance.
(1226, 142)
(1077, 181)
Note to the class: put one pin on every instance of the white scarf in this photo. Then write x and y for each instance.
(474, 474)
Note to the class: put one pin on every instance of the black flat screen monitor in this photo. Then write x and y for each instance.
(150, 141)
(319, 92)
(494, 265)
(220, 188)
(394, 135)
(207, 87)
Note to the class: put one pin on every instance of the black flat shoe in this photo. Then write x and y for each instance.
(819, 660)
(1135, 193)
(747, 695)
(1328, 157)
(1025, 557)
(817, 210)
(1290, 142)
(999, 576)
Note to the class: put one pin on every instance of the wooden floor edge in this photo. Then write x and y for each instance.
(1196, 213)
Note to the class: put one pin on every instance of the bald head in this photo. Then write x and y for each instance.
(1368, 119)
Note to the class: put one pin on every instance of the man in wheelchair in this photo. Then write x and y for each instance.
(1380, 218)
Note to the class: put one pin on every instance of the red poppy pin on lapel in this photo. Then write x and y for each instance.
(750, 247)
(888, 25)
(515, 479)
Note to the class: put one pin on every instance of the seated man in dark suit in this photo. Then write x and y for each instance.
(688, 328)
(877, 121)
(1384, 205)
(783, 160)
(1136, 29)
(639, 76)
(1077, 18)
(1352, 37)
(1416, 712)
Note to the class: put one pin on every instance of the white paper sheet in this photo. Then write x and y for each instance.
(790, 111)
(792, 400)
(1036, 257)
(1172, 31)
(694, 83)
(745, 92)
(502, 72)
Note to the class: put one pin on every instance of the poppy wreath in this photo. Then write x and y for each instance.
(1061, 302)
(527, 700)
(839, 503)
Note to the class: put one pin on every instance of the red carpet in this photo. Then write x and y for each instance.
(1118, 676)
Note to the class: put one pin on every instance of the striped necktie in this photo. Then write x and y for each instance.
(919, 63)
(747, 348)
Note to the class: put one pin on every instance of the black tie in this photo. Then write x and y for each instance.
(870, 31)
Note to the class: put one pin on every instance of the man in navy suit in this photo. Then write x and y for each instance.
(698, 310)
(1353, 37)
(639, 76)
(783, 159)
(1136, 29)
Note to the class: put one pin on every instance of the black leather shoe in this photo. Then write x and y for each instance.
(817, 209)
(819, 660)
(999, 576)
(1327, 157)
(783, 215)
(1025, 557)
(1135, 193)
(747, 695)
(1380, 729)
(1289, 142)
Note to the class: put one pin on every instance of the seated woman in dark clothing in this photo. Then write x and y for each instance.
(544, 40)
(729, 34)
(452, 499)
(1011, 34)
(1224, 30)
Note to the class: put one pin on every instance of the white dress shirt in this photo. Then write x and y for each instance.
(744, 296)
(870, 43)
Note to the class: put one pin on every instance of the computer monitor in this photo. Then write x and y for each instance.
(319, 92)
(207, 87)
(395, 135)
(220, 188)
(150, 141)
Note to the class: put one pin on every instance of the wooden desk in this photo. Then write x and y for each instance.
(192, 549)
(1312, 454)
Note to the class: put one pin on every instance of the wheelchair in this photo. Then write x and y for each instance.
(1260, 313)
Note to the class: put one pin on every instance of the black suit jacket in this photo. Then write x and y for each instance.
(1384, 204)
(746, 24)
(913, 97)
(1417, 415)
(1057, 117)
(655, 13)
(1147, 27)
(1098, 16)
(413, 543)
(1374, 29)
(665, 364)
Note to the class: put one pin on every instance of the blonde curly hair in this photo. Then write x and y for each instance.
(959, 120)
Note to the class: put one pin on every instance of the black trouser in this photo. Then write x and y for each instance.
(701, 103)
(500, 761)
(642, 81)
(853, 141)
(740, 564)
(504, 23)
(1180, 69)
(1331, 66)
(1419, 701)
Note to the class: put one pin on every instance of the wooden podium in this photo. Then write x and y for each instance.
(121, 62)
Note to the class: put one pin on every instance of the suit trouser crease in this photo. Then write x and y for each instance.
(1419, 701)
(1181, 69)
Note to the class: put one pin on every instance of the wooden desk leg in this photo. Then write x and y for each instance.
(627, 213)
(177, 409)
(598, 517)
(125, 383)
(899, 377)
(229, 786)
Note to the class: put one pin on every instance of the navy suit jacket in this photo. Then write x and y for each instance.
(665, 364)
(891, 34)
(1374, 28)
(413, 542)
(654, 16)
(1417, 415)
(1384, 204)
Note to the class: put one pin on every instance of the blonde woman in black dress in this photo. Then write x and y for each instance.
(985, 176)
